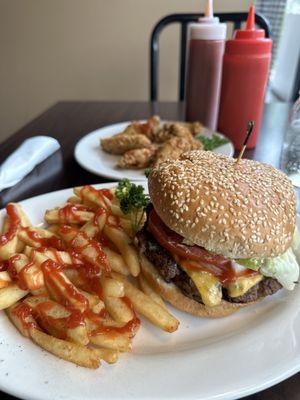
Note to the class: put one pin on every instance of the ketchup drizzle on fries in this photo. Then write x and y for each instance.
(107, 193)
(3, 265)
(24, 312)
(22, 276)
(52, 241)
(11, 269)
(51, 271)
(69, 212)
(14, 223)
(100, 211)
(129, 328)
(41, 314)
(101, 194)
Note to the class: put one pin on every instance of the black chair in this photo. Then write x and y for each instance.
(184, 20)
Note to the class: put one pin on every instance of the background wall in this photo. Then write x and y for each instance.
(84, 49)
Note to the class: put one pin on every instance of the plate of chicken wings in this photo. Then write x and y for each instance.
(129, 149)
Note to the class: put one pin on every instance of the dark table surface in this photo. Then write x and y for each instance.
(69, 121)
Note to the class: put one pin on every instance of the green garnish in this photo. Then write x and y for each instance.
(251, 263)
(133, 201)
(147, 171)
(210, 143)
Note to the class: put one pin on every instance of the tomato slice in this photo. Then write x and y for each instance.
(171, 241)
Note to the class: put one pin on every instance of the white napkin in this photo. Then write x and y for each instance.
(23, 160)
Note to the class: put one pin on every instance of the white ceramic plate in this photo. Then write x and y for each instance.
(91, 157)
(208, 359)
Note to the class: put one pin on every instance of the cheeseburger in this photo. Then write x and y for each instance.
(218, 233)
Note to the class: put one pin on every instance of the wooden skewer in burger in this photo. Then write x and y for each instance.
(248, 134)
(219, 232)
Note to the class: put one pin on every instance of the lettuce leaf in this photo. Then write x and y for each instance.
(284, 268)
(251, 263)
(296, 244)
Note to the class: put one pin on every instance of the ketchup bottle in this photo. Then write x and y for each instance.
(204, 69)
(245, 74)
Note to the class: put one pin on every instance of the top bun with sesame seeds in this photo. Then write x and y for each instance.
(239, 210)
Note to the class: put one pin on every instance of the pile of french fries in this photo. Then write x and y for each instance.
(75, 287)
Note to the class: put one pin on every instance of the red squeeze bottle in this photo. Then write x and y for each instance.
(245, 74)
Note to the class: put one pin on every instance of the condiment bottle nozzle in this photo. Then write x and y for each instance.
(209, 14)
(250, 25)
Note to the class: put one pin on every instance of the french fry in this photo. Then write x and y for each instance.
(76, 217)
(74, 276)
(31, 275)
(147, 289)
(28, 250)
(24, 220)
(5, 279)
(61, 257)
(53, 316)
(115, 341)
(54, 228)
(5, 225)
(10, 242)
(21, 324)
(74, 200)
(90, 229)
(115, 209)
(94, 322)
(126, 224)
(61, 288)
(108, 355)
(34, 301)
(37, 237)
(118, 309)
(97, 308)
(112, 287)
(123, 244)
(144, 304)
(96, 224)
(89, 249)
(66, 350)
(115, 261)
(92, 197)
(95, 304)
(10, 295)
(9, 245)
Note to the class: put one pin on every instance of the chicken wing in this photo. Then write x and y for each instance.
(174, 147)
(148, 128)
(123, 142)
(171, 129)
(137, 158)
(194, 127)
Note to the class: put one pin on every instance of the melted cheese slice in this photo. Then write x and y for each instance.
(243, 284)
(207, 284)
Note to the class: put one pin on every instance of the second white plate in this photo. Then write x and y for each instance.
(91, 157)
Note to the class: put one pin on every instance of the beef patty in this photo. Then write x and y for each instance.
(172, 273)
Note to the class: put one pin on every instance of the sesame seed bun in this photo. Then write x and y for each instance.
(171, 293)
(239, 210)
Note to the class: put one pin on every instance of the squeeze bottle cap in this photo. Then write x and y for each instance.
(249, 40)
(208, 27)
(250, 32)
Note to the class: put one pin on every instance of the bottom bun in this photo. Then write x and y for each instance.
(174, 296)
